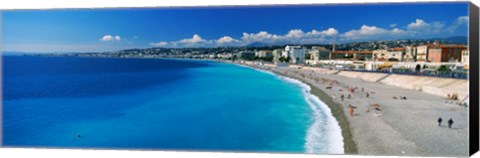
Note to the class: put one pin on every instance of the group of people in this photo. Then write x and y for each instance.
(351, 90)
(329, 85)
(401, 97)
(342, 96)
(450, 122)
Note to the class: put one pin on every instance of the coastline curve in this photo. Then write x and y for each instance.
(313, 137)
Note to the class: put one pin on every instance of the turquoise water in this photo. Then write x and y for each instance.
(160, 104)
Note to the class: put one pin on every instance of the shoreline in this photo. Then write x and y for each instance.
(380, 124)
(336, 110)
(318, 101)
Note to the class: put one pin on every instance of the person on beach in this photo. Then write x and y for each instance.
(350, 110)
(342, 97)
(439, 121)
(349, 96)
(450, 123)
(368, 94)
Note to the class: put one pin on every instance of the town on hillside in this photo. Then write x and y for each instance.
(436, 58)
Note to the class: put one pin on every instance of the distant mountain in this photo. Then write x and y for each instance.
(449, 40)
(453, 39)
(260, 44)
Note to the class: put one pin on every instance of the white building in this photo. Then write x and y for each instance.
(277, 53)
(380, 55)
(422, 52)
(212, 56)
(317, 54)
(394, 54)
(225, 55)
(296, 54)
(410, 53)
(286, 51)
(465, 56)
(263, 53)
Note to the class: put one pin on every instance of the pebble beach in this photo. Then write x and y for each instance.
(379, 119)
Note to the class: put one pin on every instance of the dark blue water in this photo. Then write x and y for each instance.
(157, 104)
(36, 77)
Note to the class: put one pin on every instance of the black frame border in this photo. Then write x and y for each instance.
(474, 71)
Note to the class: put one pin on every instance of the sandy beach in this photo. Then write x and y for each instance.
(383, 123)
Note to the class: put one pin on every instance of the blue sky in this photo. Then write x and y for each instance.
(84, 30)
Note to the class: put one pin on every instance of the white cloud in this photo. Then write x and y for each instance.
(295, 33)
(417, 28)
(195, 39)
(423, 27)
(373, 33)
(365, 31)
(414, 29)
(296, 36)
(419, 24)
(261, 36)
(460, 21)
(437, 27)
(108, 38)
(397, 31)
(159, 44)
(328, 32)
(225, 40)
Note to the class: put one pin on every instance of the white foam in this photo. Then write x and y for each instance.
(315, 138)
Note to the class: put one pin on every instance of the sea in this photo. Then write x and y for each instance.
(160, 104)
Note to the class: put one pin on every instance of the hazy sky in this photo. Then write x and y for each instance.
(84, 30)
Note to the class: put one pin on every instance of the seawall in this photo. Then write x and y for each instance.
(432, 85)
